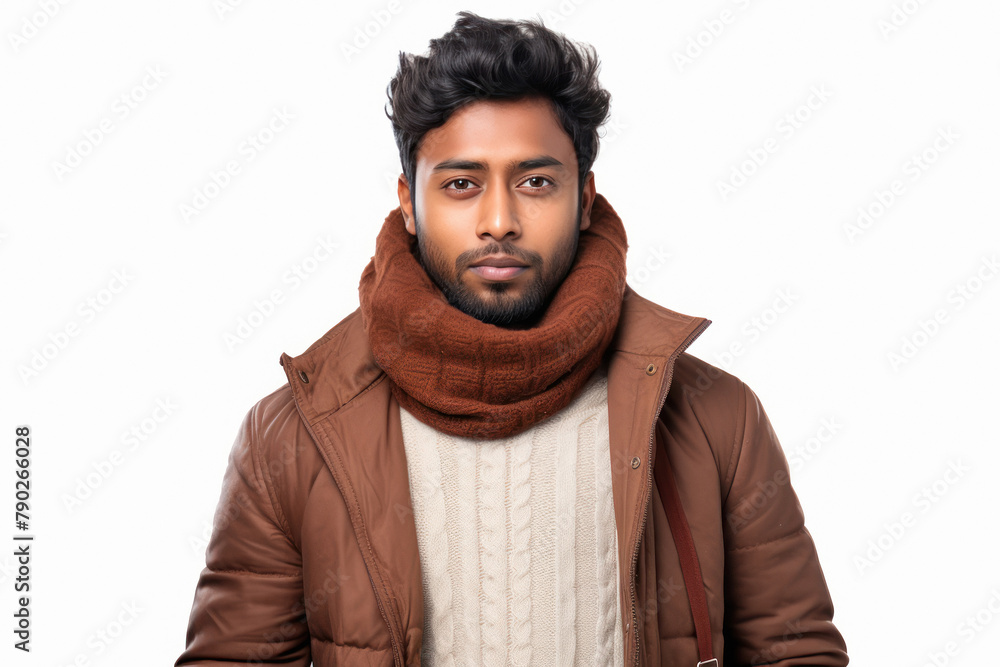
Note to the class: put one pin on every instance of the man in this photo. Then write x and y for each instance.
(505, 455)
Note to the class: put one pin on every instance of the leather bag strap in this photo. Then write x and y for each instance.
(681, 532)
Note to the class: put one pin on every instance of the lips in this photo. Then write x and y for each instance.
(498, 267)
(500, 261)
(498, 272)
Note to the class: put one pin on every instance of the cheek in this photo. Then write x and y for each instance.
(557, 240)
(446, 237)
(439, 245)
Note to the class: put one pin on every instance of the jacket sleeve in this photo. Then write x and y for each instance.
(778, 606)
(248, 605)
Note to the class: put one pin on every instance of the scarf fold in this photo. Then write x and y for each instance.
(468, 378)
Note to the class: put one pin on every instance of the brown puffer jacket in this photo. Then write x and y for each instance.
(313, 557)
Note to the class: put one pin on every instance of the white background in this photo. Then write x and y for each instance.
(891, 84)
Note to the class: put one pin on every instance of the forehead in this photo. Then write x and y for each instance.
(495, 131)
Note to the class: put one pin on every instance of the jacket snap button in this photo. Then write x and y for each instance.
(650, 369)
(305, 378)
(635, 462)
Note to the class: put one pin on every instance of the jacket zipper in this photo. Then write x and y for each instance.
(397, 654)
(397, 658)
(664, 389)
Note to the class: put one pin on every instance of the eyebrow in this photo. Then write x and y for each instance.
(513, 165)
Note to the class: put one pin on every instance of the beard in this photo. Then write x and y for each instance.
(502, 303)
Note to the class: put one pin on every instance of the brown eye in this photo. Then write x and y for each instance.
(461, 180)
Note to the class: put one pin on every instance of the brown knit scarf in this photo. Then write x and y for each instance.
(464, 377)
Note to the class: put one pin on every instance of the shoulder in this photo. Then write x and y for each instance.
(717, 408)
(270, 413)
(278, 457)
(334, 369)
(270, 429)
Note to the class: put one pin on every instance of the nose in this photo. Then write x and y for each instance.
(498, 216)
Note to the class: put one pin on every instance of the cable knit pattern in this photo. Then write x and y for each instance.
(425, 477)
(519, 522)
(608, 572)
(493, 565)
(518, 549)
(565, 551)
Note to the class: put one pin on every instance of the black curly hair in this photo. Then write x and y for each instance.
(484, 59)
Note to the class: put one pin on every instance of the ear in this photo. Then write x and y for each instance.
(406, 204)
(587, 200)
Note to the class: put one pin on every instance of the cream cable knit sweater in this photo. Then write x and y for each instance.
(517, 540)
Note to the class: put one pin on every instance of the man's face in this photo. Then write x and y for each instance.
(499, 178)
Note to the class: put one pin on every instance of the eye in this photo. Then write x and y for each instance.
(536, 182)
(460, 183)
